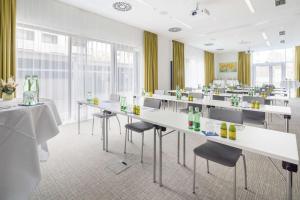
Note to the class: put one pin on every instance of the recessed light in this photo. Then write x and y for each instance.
(268, 43)
(122, 6)
(174, 29)
(264, 35)
(282, 41)
(209, 44)
(220, 49)
(281, 33)
(243, 42)
(250, 6)
(279, 2)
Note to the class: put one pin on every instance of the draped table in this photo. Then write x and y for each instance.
(24, 131)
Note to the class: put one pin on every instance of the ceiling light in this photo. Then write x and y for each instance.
(219, 49)
(281, 33)
(174, 29)
(250, 6)
(122, 6)
(279, 2)
(268, 43)
(209, 44)
(264, 35)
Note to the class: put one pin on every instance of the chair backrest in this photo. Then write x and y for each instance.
(249, 99)
(196, 95)
(234, 116)
(218, 97)
(152, 103)
(114, 97)
(160, 92)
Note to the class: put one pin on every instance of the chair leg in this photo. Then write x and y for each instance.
(142, 153)
(119, 124)
(126, 132)
(93, 125)
(131, 136)
(194, 177)
(234, 183)
(245, 171)
(207, 166)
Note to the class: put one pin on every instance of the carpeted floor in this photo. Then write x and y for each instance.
(78, 168)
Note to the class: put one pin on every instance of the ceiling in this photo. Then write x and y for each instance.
(231, 25)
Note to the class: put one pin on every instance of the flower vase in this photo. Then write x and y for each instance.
(7, 97)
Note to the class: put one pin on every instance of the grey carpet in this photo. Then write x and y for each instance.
(77, 169)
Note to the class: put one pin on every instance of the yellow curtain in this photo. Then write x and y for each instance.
(297, 67)
(178, 65)
(151, 63)
(209, 68)
(244, 60)
(7, 39)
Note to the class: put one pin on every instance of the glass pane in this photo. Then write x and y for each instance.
(262, 75)
(276, 75)
(49, 61)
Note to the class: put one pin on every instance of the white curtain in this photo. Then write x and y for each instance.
(44, 54)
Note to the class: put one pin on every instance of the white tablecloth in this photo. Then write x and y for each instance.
(23, 131)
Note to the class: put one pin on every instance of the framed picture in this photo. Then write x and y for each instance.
(228, 67)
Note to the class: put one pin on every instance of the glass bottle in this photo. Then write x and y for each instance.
(35, 87)
(196, 122)
(89, 97)
(190, 117)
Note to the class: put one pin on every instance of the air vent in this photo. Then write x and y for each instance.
(281, 33)
(122, 6)
(209, 44)
(279, 2)
(174, 29)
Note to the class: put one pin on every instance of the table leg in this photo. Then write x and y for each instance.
(78, 122)
(154, 156)
(106, 130)
(183, 145)
(131, 131)
(178, 147)
(103, 134)
(160, 157)
(176, 106)
(290, 169)
(287, 121)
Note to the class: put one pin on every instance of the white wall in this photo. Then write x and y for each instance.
(225, 57)
(194, 64)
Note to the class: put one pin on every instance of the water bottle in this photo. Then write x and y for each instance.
(190, 117)
(196, 122)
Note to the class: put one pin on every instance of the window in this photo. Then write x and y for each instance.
(272, 67)
(51, 65)
(70, 67)
(48, 38)
(194, 73)
(24, 34)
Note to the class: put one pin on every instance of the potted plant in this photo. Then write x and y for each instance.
(8, 89)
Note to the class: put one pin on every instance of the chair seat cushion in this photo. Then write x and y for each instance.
(102, 115)
(139, 126)
(219, 153)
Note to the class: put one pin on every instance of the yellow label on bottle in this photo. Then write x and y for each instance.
(232, 135)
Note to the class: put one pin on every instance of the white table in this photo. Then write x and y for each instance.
(207, 101)
(270, 143)
(23, 130)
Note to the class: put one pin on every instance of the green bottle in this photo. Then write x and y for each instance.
(190, 117)
(196, 122)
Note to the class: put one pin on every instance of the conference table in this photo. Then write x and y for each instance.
(285, 111)
(270, 143)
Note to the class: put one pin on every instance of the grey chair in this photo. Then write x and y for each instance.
(254, 117)
(107, 114)
(220, 153)
(218, 97)
(188, 89)
(141, 127)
